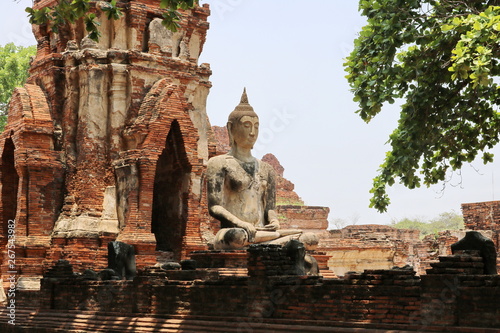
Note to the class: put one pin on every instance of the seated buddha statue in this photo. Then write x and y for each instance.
(242, 189)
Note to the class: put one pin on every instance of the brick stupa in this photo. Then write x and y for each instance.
(108, 141)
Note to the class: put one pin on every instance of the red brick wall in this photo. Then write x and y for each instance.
(379, 297)
(38, 173)
(306, 218)
(166, 97)
(482, 215)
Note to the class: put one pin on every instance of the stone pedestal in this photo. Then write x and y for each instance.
(238, 259)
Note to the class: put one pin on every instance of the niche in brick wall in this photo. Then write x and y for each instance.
(10, 183)
(170, 194)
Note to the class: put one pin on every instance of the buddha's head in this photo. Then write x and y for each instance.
(243, 124)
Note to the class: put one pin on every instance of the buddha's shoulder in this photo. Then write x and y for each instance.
(266, 167)
(220, 161)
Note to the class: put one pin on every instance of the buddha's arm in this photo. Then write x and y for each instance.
(272, 221)
(271, 217)
(223, 215)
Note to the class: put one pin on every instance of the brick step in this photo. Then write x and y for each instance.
(56, 321)
(232, 271)
(74, 322)
(48, 322)
(92, 323)
(327, 274)
(21, 315)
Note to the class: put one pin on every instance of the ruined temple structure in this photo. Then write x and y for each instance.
(107, 141)
(485, 218)
(360, 247)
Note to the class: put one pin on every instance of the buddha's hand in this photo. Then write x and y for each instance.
(272, 226)
(250, 229)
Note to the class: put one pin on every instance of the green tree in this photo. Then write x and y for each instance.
(14, 65)
(69, 11)
(441, 58)
(448, 221)
(445, 221)
(413, 224)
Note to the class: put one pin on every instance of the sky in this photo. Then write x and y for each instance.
(290, 57)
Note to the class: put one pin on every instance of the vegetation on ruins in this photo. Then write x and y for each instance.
(288, 202)
(14, 65)
(445, 221)
(441, 58)
(70, 11)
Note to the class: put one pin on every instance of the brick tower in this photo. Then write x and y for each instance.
(108, 141)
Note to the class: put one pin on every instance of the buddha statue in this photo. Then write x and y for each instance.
(241, 188)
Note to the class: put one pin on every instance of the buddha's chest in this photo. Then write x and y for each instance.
(244, 177)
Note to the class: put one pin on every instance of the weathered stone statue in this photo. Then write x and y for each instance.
(241, 188)
(474, 240)
(121, 259)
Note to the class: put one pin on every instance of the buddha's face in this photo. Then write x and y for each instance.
(245, 131)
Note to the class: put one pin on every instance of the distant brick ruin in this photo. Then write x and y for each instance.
(109, 142)
(359, 247)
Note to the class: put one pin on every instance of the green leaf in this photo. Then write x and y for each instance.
(14, 65)
(443, 63)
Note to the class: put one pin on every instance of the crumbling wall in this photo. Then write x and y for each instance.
(32, 178)
(482, 215)
(485, 218)
(307, 218)
(359, 247)
(379, 297)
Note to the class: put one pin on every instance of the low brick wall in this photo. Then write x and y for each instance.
(395, 296)
(381, 296)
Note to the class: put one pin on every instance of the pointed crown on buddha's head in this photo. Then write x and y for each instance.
(242, 109)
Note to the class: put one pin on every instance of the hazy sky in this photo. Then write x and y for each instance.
(289, 56)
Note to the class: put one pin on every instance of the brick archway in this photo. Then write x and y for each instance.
(171, 194)
(161, 168)
(10, 184)
(31, 177)
(8, 204)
